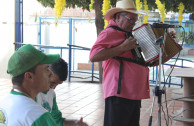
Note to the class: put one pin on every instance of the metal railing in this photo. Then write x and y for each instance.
(44, 47)
(92, 74)
(76, 47)
(170, 64)
(72, 46)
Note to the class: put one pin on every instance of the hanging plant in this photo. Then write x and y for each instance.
(59, 7)
(161, 8)
(105, 7)
(181, 8)
(146, 9)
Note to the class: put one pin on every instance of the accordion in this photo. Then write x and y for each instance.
(146, 36)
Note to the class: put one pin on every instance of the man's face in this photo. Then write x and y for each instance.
(127, 22)
(42, 77)
(54, 81)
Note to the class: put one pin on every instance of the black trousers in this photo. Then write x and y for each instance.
(121, 112)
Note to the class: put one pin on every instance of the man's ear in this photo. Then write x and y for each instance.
(28, 75)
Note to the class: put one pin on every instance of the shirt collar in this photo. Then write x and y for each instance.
(112, 22)
(17, 92)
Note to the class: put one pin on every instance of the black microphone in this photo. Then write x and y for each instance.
(161, 25)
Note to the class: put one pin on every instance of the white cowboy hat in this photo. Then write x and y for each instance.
(123, 6)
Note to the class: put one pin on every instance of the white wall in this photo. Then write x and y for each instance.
(6, 34)
(51, 35)
(7, 28)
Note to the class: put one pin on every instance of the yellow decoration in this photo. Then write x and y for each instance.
(91, 4)
(91, 7)
(161, 8)
(105, 7)
(89, 19)
(146, 9)
(139, 6)
(59, 7)
(181, 8)
(105, 23)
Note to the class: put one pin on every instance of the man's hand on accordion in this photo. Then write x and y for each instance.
(107, 53)
(129, 44)
(172, 33)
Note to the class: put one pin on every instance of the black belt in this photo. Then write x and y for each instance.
(121, 68)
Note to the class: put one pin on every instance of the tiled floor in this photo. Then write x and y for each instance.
(85, 100)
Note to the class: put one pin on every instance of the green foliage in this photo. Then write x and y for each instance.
(171, 5)
(47, 3)
(189, 38)
(113, 3)
(84, 4)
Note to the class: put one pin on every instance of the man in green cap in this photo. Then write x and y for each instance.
(30, 75)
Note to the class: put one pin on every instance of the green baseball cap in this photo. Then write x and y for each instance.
(26, 58)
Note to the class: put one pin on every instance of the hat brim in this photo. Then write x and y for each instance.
(50, 59)
(110, 13)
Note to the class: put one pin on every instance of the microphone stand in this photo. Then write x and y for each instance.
(158, 91)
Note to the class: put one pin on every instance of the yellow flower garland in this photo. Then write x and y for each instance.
(59, 7)
(146, 9)
(91, 7)
(161, 8)
(139, 6)
(89, 19)
(91, 4)
(181, 8)
(105, 7)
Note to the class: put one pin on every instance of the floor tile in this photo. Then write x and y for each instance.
(76, 100)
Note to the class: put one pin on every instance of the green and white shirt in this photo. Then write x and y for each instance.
(17, 109)
(48, 101)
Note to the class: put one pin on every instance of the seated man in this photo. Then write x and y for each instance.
(30, 75)
(48, 99)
